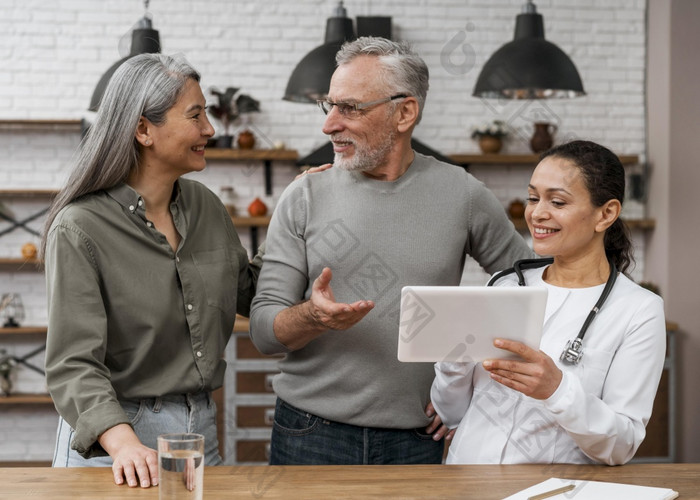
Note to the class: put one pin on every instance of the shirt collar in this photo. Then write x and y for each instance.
(127, 197)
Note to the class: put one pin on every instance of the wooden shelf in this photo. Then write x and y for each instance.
(23, 330)
(263, 221)
(27, 193)
(26, 399)
(20, 265)
(63, 125)
(643, 224)
(251, 154)
(517, 159)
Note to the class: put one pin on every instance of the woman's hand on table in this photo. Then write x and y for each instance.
(190, 474)
(133, 461)
(535, 375)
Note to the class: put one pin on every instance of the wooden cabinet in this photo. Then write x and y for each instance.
(253, 451)
(252, 400)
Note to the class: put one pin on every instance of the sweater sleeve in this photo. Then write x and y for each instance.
(493, 240)
(611, 428)
(76, 375)
(283, 278)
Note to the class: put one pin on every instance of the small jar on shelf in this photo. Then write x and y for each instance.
(228, 198)
(257, 208)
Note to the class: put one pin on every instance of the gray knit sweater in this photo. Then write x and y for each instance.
(376, 237)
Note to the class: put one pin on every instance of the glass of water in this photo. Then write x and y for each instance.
(180, 466)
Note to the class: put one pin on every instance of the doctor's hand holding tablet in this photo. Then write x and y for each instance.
(536, 375)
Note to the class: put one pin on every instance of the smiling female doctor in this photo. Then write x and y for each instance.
(587, 394)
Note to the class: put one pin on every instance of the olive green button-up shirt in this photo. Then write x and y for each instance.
(130, 318)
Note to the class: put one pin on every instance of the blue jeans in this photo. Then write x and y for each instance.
(300, 438)
(150, 418)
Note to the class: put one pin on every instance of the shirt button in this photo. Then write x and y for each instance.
(199, 354)
(177, 259)
(140, 202)
(189, 307)
(131, 207)
(149, 224)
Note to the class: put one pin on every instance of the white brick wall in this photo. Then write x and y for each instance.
(54, 52)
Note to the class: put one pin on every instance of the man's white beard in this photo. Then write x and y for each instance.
(364, 160)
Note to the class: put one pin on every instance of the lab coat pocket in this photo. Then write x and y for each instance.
(217, 273)
(594, 368)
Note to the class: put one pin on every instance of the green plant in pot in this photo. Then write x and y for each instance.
(230, 106)
(490, 136)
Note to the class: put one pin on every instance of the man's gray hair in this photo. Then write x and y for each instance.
(404, 72)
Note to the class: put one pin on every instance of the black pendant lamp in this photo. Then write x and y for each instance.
(529, 67)
(144, 40)
(311, 78)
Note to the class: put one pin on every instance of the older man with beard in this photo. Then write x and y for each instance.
(382, 218)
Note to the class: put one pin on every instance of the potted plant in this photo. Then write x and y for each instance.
(490, 136)
(231, 104)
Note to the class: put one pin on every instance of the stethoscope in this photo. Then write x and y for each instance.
(573, 352)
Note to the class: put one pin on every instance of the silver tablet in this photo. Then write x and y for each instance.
(459, 323)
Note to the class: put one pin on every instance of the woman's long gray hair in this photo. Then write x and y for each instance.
(146, 85)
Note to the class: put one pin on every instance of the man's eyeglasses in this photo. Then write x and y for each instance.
(354, 110)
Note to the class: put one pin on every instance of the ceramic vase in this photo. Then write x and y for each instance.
(516, 209)
(542, 138)
(490, 144)
(246, 140)
(257, 208)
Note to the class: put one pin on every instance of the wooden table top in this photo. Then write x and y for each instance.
(348, 482)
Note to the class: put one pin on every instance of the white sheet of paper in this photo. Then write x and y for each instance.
(595, 490)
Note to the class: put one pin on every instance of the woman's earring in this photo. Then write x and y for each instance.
(147, 142)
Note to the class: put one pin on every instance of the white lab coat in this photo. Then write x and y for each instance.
(599, 412)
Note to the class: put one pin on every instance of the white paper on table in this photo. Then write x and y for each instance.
(595, 490)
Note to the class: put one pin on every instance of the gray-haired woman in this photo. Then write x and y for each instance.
(145, 274)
